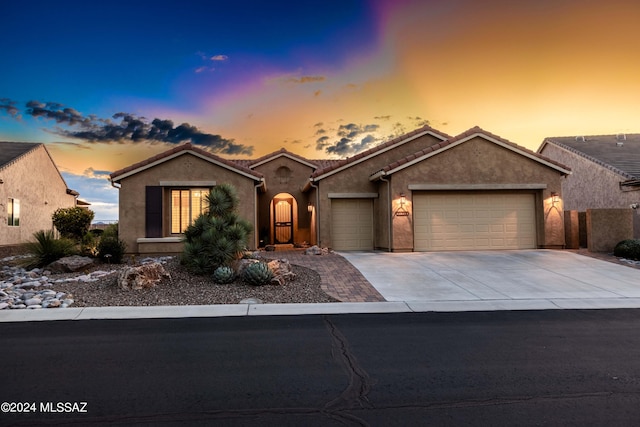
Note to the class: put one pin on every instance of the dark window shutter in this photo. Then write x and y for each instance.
(153, 211)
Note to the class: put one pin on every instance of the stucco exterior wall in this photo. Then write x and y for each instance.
(479, 161)
(34, 180)
(293, 184)
(590, 185)
(186, 167)
(355, 180)
(607, 227)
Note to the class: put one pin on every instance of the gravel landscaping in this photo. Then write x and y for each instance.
(187, 289)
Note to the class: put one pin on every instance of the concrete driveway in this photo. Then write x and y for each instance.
(499, 280)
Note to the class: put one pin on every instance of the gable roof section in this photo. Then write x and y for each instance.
(618, 153)
(460, 139)
(378, 149)
(178, 151)
(12, 151)
(281, 153)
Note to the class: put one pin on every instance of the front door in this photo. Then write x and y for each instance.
(283, 220)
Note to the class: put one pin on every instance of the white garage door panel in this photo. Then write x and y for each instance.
(474, 221)
(352, 224)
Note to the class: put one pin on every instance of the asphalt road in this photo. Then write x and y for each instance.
(492, 368)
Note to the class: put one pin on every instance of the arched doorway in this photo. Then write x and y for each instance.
(283, 206)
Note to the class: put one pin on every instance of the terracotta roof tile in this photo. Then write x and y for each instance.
(377, 148)
(474, 130)
(186, 147)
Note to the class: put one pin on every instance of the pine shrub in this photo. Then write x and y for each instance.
(629, 249)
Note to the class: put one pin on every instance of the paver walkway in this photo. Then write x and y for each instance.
(340, 279)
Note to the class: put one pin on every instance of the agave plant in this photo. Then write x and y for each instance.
(258, 274)
(223, 275)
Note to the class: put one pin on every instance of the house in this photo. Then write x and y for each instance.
(423, 191)
(606, 169)
(31, 190)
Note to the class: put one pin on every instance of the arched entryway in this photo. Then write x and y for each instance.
(283, 218)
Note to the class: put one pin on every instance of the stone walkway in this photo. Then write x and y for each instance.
(340, 279)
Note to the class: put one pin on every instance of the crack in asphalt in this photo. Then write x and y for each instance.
(360, 384)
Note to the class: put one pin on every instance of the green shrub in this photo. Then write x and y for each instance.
(258, 274)
(47, 249)
(72, 223)
(629, 249)
(217, 237)
(113, 247)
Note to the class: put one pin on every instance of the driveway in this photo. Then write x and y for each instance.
(526, 279)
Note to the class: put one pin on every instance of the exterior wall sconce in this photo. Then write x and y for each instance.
(555, 198)
(401, 210)
(309, 207)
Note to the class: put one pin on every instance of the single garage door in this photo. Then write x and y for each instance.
(352, 224)
(472, 221)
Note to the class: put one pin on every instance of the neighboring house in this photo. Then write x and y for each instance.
(31, 189)
(605, 171)
(423, 191)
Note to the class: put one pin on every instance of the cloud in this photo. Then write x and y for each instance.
(219, 58)
(9, 106)
(306, 79)
(382, 117)
(351, 139)
(126, 127)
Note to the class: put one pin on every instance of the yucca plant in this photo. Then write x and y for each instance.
(47, 249)
(216, 237)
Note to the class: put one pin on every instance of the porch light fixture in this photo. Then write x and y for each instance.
(401, 210)
(309, 207)
(555, 198)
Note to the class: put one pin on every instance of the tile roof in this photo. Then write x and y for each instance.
(10, 151)
(619, 153)
(380, 147)
(476, 130)
(185, 147)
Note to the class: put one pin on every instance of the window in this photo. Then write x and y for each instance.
(186, 206)
(13, 212)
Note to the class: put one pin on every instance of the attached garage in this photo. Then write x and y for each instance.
(474, 221)
(352, 224)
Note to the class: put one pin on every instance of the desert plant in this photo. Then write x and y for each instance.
(223, 275)
(629, 249)
(47, 249)
(218, 236)
(258, 274)
(111, 249)
(72, 223)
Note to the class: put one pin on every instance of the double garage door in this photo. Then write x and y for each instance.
(474, 221)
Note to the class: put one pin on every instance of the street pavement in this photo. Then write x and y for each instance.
(524, 368)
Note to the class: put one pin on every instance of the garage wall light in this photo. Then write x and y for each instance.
(401, 210)
(555, 198)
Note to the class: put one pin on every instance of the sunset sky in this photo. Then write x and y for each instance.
(107, 84)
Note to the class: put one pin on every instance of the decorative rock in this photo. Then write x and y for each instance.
(35, 306)
(18, 306)
(270, 248)
(251, 301)
(313, 250)
(52, 303)
(3, 305)
(70, 264)
(142, 277)
(32, 301)
(281, 271)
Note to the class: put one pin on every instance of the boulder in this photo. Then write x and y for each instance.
(281, 271)
(313, 250)
(142, 277)
(70, 264)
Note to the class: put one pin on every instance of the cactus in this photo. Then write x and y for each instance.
(223, 275)
(258, 274)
